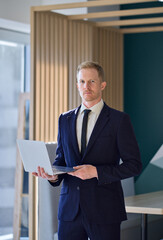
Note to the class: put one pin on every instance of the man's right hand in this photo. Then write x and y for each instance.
(41, 173)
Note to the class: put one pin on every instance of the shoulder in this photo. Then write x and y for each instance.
(114, 112)
(117, 117)
(70, 113)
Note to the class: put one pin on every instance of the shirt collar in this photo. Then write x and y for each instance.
(96, 108)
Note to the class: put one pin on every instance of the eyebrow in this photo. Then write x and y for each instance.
(88, 80)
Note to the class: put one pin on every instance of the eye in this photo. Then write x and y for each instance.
(92, 81)
(82, 81)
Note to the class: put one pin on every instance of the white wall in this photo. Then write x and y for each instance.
(19, 10)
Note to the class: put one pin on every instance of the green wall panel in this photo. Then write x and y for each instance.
(150, 180)
(143, 92)
(143, 89)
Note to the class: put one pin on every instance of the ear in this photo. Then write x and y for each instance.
(103, 85)
(77, 85)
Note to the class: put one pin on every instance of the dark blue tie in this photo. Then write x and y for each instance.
(84, 131)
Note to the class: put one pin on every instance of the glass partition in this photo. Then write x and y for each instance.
(12, 78)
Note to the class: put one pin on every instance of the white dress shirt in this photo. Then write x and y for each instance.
(92, 118)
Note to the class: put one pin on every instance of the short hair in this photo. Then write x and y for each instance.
(94, 65)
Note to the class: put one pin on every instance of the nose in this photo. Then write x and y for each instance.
(87, 85)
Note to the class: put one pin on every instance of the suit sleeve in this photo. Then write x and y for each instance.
(59, 160)
(129, 153)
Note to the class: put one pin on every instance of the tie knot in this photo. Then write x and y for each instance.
(87, 111)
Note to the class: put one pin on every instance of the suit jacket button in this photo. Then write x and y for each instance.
(78, 188)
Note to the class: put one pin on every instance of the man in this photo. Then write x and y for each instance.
(93, 142)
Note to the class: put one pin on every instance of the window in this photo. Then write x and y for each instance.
(14, 78)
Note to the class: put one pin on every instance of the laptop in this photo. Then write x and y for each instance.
(34, 154)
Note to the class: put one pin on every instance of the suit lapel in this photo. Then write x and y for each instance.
(72, 130)
(100, 124)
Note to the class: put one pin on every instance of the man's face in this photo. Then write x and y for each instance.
(90, 85)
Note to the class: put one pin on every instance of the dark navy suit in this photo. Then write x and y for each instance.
(112, 139)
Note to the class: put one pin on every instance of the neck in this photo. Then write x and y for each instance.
(91, 104)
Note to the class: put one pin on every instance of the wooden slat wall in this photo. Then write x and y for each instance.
(51, 74)
(110, 52)
(82, 47)
(60, 45)
(104, 46)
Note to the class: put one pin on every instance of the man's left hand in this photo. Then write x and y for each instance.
(84, 172)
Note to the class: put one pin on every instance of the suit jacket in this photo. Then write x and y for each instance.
(112, 139)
